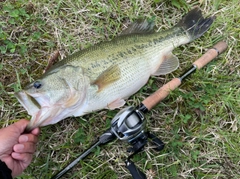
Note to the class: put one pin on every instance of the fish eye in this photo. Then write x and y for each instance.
(37, 84)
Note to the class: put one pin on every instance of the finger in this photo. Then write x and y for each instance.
(36, 131)
(26, 158)
(27, 147)
(27, 138)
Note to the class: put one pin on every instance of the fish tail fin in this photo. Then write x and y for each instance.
(195, 24)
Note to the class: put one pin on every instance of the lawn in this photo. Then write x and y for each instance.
(199, 122)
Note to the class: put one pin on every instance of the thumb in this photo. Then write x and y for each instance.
(20, 125)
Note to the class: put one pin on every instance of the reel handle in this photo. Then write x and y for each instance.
(159, 145)
(164, 91)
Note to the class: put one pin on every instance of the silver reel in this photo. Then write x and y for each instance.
(128, 124)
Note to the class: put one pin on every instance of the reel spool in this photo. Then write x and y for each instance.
(128, 124)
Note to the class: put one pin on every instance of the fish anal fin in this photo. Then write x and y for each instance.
(116, 104)
(140, 27)
(110, 75)
(169, 64)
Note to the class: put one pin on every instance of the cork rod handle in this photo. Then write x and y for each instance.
(164, 91)
(211, 54)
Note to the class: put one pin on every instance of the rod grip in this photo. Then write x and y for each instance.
(164, 91)
(211, 54)
(161, 93)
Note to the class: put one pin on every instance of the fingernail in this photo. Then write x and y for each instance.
(23, 138)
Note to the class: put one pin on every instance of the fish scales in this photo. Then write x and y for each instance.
(116, 52)
(106, 74)
(108, 53)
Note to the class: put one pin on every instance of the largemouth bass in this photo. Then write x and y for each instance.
(106, 74)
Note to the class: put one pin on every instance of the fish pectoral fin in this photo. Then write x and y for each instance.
(110, 75)
(116, 104)
(140, 27)
(169, 64)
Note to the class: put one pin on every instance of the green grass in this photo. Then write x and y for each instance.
(199, 122)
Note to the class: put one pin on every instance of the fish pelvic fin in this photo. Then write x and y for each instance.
(195, 24)
(170, 63)
(116, 104)
(110, 75)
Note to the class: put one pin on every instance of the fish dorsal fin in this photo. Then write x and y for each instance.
(140, 27)
(107, 77)
(169, 64)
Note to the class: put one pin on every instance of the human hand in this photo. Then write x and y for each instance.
(16, 148)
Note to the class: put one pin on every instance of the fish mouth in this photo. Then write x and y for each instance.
(28, 102)
(40, 114)
(45, 111)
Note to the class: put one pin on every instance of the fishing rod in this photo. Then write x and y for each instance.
(129, 123)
